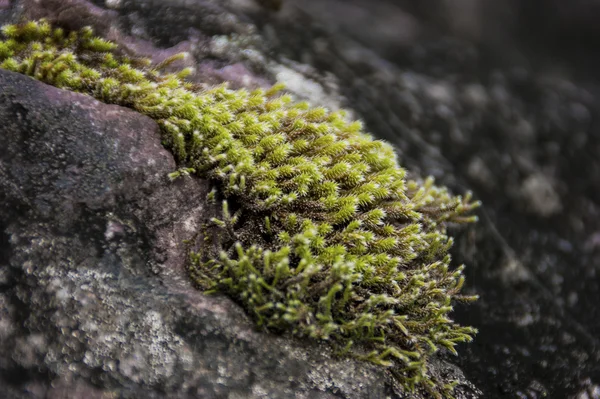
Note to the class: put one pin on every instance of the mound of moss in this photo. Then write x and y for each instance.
(320, 232)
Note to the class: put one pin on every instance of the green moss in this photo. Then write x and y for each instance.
(320, 232)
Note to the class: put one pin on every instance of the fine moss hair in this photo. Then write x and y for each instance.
(319, 230)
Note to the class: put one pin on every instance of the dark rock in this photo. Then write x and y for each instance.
(501, 98)
(94, 298)
(524, 135)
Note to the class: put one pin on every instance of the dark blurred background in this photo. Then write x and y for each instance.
(534, 32)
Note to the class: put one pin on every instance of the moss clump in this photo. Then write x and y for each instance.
(326, 236)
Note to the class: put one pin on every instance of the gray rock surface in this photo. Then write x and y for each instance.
(95, 300)
(513, 116)
(498, 97)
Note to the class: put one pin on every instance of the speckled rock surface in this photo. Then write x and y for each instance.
(95, 302)
(498, 97)
(94, 299)
(511, 113)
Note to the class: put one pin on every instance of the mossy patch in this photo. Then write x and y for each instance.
(326, 237)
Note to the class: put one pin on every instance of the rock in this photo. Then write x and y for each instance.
(487, 109)
(533, 256)
(94, 298)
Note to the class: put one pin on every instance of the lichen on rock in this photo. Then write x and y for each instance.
(320, 232)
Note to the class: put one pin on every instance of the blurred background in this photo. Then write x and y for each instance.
(534, 32)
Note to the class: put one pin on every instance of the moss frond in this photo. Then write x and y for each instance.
(328, 239)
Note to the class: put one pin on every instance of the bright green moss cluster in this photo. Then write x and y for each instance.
(325, 236)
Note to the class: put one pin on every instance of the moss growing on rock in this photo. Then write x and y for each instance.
(320, 232)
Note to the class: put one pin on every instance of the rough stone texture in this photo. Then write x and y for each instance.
(513, 116)
(498, 97)
(94, 298)
(95, 301)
